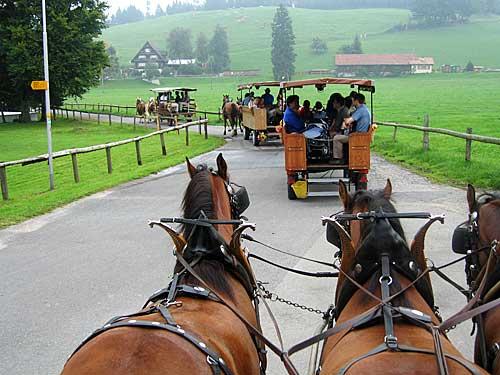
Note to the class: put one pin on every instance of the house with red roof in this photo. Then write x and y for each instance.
(350, 65)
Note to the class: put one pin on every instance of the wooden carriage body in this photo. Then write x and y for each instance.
(254, 118)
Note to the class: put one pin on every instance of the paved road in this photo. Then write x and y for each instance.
(63, 274)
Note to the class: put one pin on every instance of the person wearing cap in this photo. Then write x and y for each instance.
(268, 98)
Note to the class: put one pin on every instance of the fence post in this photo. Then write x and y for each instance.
(426, 133)
(108, 160)
(85, 106)
(158, 127)
(163, 146)
(134, 122)
(89, 115)
(121, 119)
(199, 125)
(109, 118)
(3, 182)
(126, 110)
(53, 113)
(187, 135)
(73, 114)
(67, 114)
(138, 152)
(394, 134)
(81, 115)
(468, 146)
(98, 107)
(98, 118)
(76, 174)
(206, 129)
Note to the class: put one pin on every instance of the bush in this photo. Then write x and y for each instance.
(318, 46)
(469, 67)
(190, 70)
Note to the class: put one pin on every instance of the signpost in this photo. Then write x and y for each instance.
(45, 86)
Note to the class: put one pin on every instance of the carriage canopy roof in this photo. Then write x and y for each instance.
(320, 83)
(164, 90)
(257, 85)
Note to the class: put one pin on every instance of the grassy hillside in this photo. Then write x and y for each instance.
(250, 35)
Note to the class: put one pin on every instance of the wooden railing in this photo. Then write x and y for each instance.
(108, 109)
(426, 129)
(74, 152)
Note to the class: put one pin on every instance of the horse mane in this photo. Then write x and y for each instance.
(488, 197)
(197, 201)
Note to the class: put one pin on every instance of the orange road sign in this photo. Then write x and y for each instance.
(39, 85)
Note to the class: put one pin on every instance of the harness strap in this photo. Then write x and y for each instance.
(385, 281)
(253, 330)
(213, 358)
(493, 356)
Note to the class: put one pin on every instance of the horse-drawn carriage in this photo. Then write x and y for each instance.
(307, 160)
(259, 123)
(175, 101)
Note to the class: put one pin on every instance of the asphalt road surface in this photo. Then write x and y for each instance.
(64, 274)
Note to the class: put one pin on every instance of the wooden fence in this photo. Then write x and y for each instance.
(106, 146)
(469, 137)
(108, 108)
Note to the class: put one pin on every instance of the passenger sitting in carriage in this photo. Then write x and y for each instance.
(362, 120)
(318, 113)
(268, 98)
(341, 113)
(293, 122)
(305, 112)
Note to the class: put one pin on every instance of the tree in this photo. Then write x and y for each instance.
(219, 50)
(318, 46)
(354, 48)
(113, 70)
(127, 15)
(179, 43)
(430, 13)
(159, 11)
(469, 67)
(282, 45)
(201, 50)
(76, 56)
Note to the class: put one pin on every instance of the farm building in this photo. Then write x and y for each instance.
(148, 55)
(385, 65)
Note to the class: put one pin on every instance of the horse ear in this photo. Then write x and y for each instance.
(191, 168)
(471, 197)
(388, 189)
(344, 194)
(222, 167)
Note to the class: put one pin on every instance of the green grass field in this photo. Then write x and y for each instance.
(29, 187)
(249, 33)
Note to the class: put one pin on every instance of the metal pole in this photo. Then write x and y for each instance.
(48, 114)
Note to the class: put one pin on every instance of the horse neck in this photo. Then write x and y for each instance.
(489, 225)
(222, 208)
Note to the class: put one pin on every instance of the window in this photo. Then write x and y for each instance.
(141, 65)
(153, 57)
(142, 57)
(147, 50)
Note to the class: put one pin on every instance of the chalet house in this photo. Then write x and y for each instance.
(383, 65)
(148, 55)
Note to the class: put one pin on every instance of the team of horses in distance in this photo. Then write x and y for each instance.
(231, 112)
(208, 321)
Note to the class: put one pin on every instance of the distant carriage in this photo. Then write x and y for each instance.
(306, 160)
(259, 123)
(173, 102)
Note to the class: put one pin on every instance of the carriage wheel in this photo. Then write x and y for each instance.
(246, 134)
(291, 193)
(255, 138)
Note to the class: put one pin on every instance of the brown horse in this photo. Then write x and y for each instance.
(185, 329)
(140, 108)
(395, 338)
(484, 229)
(231, 113)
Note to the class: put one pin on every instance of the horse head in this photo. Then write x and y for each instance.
(366, 240)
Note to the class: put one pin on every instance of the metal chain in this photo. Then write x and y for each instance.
(275, 298)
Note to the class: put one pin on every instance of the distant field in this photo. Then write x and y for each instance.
(250, 36)
(29, 185)
(453, 101)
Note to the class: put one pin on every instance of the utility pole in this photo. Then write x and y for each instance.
(48, 115)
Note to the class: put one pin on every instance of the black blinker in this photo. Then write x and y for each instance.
(461, 239)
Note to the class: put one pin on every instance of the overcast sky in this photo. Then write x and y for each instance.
(141, 4)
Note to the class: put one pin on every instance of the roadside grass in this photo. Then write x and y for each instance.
(29, 187)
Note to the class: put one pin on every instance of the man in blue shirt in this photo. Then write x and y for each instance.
(361, 119)
(268, 98)
(293, 122)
